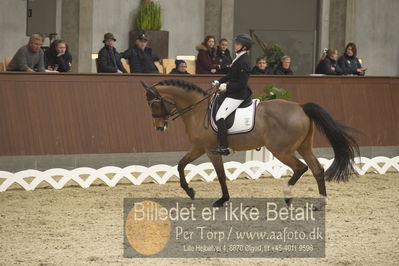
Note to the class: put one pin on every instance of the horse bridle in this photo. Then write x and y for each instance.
(172, 114)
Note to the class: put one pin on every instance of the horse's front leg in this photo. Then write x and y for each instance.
(190, 156)
(217, 162)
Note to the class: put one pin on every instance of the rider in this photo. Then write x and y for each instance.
(237, 89)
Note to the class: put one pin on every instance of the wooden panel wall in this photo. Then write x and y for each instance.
(106, 113)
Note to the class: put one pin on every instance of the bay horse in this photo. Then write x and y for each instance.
(283, 127)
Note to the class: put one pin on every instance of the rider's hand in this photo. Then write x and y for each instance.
(223, 87)
(215, 83)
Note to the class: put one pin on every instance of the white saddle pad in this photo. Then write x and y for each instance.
(244, 120)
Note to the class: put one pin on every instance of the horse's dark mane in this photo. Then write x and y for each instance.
(182, 84)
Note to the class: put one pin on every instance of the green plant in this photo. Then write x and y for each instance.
(149, 17)
(273, 52)
(272, 92)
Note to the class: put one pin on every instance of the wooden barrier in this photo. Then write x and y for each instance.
(71, 113)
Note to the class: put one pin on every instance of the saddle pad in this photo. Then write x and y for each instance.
(244, 119)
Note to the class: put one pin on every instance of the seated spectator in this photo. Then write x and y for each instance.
(58, 58)
(140, 57)
(284, 67)
(109, 60)
(30, 57)
(261, 67)
(328, 63)
(223, 57)
(206, 58)
(349, 63)
(181, 67)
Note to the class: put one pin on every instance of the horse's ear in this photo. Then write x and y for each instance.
(144, 85)
(149, 95)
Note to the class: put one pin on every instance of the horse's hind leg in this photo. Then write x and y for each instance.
(317, 170)
(299, 169)
(190, 156)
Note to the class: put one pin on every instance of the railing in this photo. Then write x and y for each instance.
(160, 174)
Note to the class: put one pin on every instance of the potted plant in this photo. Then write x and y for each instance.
(273, 52)
(149, 22)
(271, 92)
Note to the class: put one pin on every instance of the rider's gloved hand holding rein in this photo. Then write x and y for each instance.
(215, 83)
(236, 91)
(223, 87)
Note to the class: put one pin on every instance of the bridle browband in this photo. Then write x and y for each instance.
(173, 114)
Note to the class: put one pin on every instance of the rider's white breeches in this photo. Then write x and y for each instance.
(228, 106)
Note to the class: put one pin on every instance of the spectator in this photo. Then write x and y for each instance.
(349, 63)
(223, 57)
(58, 58)
(206, 58)
(284, 67)
(328, 63)
(261, 67)
(181, 67)
(140, 56)
(109, 60)
(30, 57)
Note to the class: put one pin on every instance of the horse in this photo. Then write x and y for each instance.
(283, 127)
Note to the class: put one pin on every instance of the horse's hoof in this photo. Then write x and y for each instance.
(317, 208)
(191, 193)
(220, 202)
(288, 201)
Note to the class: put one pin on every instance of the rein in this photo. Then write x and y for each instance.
(174, 114)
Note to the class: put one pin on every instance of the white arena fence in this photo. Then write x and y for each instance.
(160, 174)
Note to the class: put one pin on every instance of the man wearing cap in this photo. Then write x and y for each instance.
(109, 60)
(140, 56)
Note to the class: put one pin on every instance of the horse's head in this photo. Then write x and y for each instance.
(161, 107)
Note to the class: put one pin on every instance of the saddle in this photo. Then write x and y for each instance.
(242, 120)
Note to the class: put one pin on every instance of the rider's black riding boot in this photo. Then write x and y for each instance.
(222, 137)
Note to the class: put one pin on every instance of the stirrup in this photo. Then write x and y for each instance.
(220, 151)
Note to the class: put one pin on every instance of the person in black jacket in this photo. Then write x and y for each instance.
(349, 63)
(181, 67)
(237, 89)
(261, 67)
(284, 67)
(328, 63)
(58, 58)
(141, 59)
(223, 57)
(109, 60)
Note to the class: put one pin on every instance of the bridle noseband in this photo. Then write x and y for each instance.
(162, 101)
(173, 114)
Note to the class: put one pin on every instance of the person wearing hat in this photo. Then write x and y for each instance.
(181, 67)
(235, 85)
(109, 60)
(140, 56)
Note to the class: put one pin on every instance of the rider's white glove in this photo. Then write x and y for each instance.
(223, 87)
(215, 83)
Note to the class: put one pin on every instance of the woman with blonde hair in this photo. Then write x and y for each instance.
(284, 68)
(328, 63)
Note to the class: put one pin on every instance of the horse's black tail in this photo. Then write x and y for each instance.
(342, 142)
